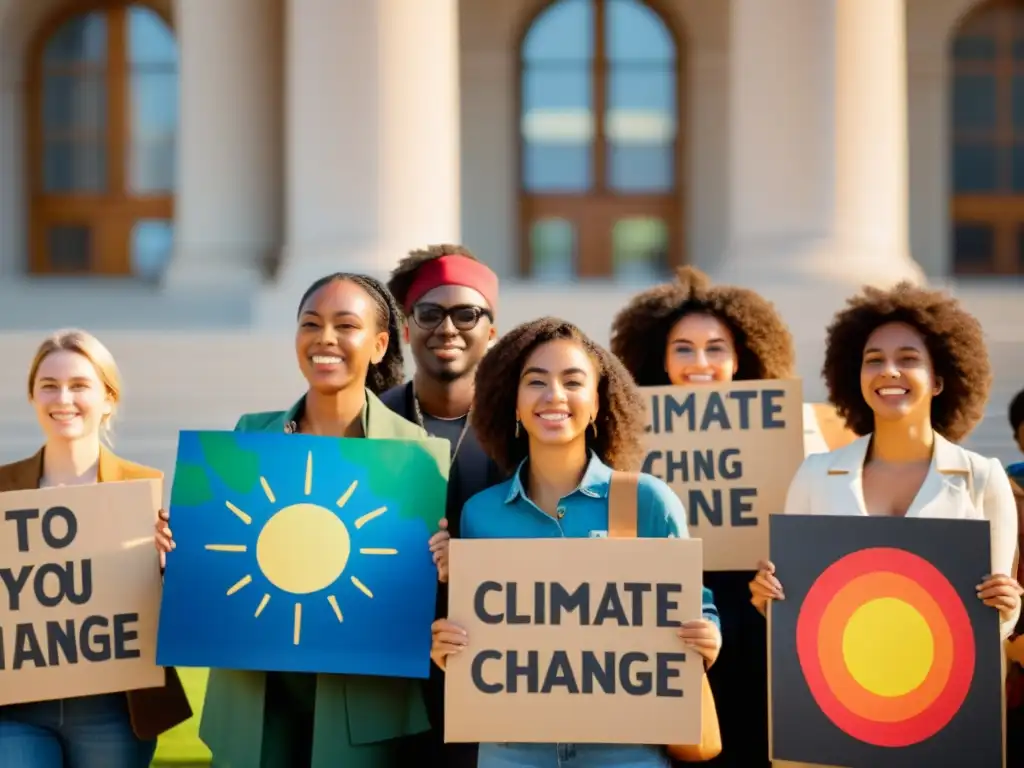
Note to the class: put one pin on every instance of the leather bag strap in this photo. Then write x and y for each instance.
(622, 505)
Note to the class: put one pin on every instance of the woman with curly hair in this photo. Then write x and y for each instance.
(908, 370)
(348, 346)
(692, 333)
(560, 414)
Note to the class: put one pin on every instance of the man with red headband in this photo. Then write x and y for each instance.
(449, 299)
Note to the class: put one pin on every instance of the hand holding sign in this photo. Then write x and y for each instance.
(447, 638)
(765, 586)
(1001, 592)
(703, 637)
(439, 549)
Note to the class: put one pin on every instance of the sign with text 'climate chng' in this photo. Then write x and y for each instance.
(729, 451)
(79, 591)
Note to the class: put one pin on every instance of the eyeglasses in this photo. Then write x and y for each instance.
(464, 316)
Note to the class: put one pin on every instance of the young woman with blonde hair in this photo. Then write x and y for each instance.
(75, 387)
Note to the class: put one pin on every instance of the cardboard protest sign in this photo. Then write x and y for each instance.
(729, 451)
(574, 640)
(302, 553)
(882, 655)
(81, 591)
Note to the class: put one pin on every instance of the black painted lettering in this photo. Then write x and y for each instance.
(665, 672)
(664, 603)
(21, 518)
(477, 672)
(643, 683)
(540, 603)
(95, 645)
(715, 413)
(730, 465)
(610, 608)
(698, 502)
(70, 527)
(739, 506)
(49, 598)
(563, 601)
(703, 465)
(530, 670)
(637, 591)
(560, 674)
(479, 603)
(684, 409)
(15, 584)
(770, 406)
(125, 633)
(512, 616)
(648, 467)
(61, 639)
(744, 397)
(596, 672)
(26, 647)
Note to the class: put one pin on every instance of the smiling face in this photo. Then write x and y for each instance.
(557, 397)
(897, 380)
(338, 337)
(70, 399)
(700, 349)
(449, 347)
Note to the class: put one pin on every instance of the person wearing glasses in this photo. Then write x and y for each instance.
(449, 299)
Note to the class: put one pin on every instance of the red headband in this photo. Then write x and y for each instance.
(453, 269)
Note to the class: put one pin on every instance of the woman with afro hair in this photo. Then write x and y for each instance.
(561, 415)
(908, 370)
(690, 333)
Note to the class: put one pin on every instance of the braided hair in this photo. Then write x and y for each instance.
(390, 371)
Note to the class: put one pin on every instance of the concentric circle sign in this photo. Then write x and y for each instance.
(886, 647)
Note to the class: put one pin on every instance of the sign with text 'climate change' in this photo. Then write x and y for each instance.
(729, 451)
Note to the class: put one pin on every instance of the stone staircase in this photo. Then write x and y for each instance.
(204, 377)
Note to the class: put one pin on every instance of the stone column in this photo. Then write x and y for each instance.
(372, 138)
(227, 217)
(819, 160)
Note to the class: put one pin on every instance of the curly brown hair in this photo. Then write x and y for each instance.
(403, 275)
(955, 343)
(620, 417)
(764, 345)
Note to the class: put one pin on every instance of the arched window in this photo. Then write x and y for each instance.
(599, 160)
(987, 72)
(102, 124)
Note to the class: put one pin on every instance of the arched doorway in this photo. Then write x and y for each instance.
(987, 71)
(600, 116)
(102, 126)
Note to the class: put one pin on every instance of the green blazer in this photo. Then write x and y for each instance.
(351, 710)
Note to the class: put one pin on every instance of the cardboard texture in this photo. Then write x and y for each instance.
(882, 655)
(729, 451)
(302, 553)
(493, 589)
(81, 591)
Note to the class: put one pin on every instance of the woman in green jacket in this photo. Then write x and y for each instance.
(348, 346)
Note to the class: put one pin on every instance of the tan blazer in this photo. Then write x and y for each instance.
(152, 710)
(961, 484)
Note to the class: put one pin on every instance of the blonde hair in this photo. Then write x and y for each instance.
(88, 346)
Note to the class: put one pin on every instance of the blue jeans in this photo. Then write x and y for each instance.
(86, 732)
(571, 756)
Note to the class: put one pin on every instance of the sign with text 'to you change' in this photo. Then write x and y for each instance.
(729, 451)
(574, 640)
(80, 591)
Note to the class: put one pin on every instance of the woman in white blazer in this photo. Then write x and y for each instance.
(908, 370)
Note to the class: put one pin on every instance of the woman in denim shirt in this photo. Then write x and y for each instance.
(561, 413)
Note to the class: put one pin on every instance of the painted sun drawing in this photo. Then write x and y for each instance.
(303, 551)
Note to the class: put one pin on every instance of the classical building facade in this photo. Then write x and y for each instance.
(188, 166)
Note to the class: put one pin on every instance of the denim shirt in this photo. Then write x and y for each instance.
(505, 512)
